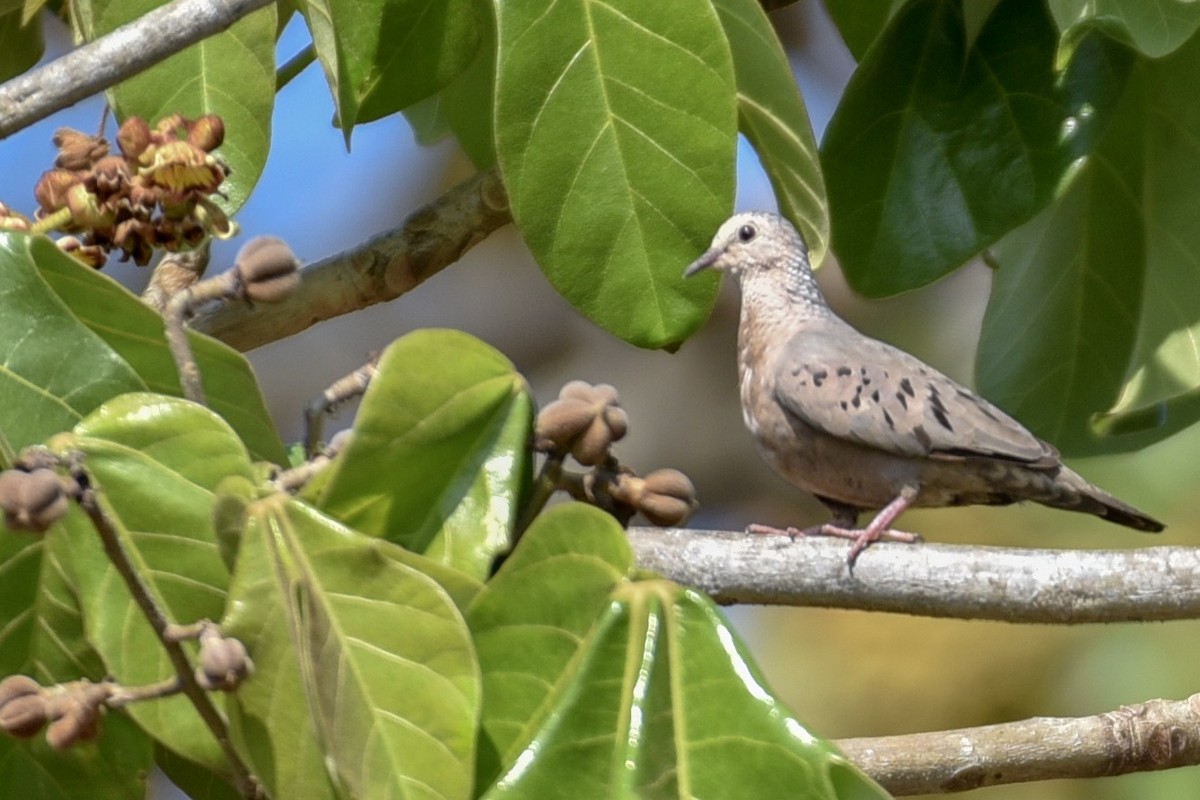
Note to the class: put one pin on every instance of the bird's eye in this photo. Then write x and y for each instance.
(747, 232)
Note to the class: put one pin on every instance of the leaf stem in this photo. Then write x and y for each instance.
(52, 222)
(546, 484)
(294, 66)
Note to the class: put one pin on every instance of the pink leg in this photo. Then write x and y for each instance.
(879, 529)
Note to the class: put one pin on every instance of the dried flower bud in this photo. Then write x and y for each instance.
(90, 254)
(78, 150)
(172, 126)
(31, 501)
(12, 220)
(224, 663)
(670, 497)
(268, 269)
(560, 423)
(134, 137)
(585, 420)
(79, 722)
(112, 174)
(22, 706)
(665, 496)
(207, 132)
(51, 189)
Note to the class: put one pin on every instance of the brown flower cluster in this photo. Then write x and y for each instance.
(154, 194)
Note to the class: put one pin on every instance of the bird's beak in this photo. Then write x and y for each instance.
(703, 262)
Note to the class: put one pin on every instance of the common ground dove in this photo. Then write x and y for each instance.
(865, 426)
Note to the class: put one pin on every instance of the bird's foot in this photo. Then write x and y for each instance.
(864, 537)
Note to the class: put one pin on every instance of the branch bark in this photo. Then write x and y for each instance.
(114, 57)
(1155, 735)
(936, 580)
(380, 269)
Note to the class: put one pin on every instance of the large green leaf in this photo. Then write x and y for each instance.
(379, 649)
(861, 21)
(135, 333)
(157, 461)
(1155, 27)
(21, 45)
(53, 368)
(939, 148)
(114, 767)
(1093, 309)
(531, 618)
(595, 686)
(439, 455)
(384, 55)
(231, 74)
(771, 114)
(615, 135)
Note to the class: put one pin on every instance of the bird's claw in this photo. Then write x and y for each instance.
(862, 538)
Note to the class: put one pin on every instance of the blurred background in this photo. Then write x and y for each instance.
(843, 673)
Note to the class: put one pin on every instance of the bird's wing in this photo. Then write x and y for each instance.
(857, 388)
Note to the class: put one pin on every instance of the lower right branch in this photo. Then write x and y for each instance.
(1154, 735)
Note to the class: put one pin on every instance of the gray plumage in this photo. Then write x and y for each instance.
(861, 424)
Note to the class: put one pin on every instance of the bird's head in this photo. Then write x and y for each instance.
(751, 242)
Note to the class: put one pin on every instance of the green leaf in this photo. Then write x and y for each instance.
(939, 149)
(157, 461)
(615, 136)
(531, 618)
(379, 648)
(1099, 288)
(861, 21)
(385, 55)
(663, 701)
(439, 454)
(771, 114)
(114, 767)
(231, 74)
(1155, 27)
(135, 332)
(53, 369)
(21, 43)
(464, 107)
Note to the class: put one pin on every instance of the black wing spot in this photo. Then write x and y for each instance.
(844, 405)
(856, 402)
(906, 385)
(819, 377)
(875, 395)
(903, 400)
(888, 419)
(940, 415)
(844, 372)
(923, 437)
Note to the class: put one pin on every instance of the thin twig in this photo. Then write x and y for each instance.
(936, 580)
(174, 273)
(245, 782)
(178, 310)
(114, 57)
(378, 270)
(1155, 735)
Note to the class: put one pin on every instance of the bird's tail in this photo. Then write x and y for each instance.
(1091, 499)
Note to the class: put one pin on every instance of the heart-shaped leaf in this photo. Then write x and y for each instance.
(438, 458)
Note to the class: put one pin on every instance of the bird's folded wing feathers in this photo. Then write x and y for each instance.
(857, 388)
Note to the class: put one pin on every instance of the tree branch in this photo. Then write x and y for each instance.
(1155, 735)
(380, 269)
(114, 57)
(937, 580)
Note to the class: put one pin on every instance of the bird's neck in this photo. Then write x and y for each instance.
(777, 305)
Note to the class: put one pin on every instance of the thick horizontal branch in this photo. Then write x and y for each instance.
(114, 57)
(937, 580)
(1155, 735)
(380, 269)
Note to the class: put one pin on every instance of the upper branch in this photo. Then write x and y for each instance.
(938, 580)
(380, 269)
(114, 57)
